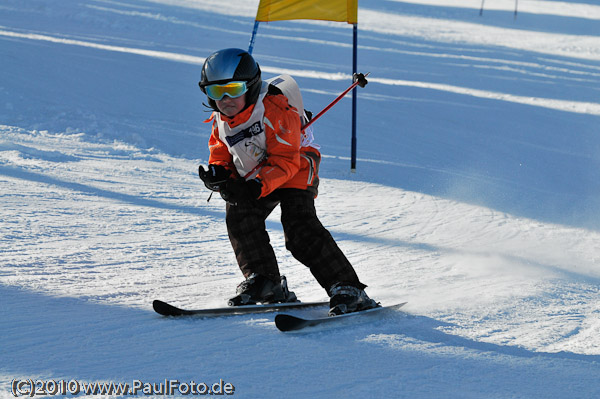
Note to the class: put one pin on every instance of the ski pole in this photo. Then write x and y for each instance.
(359, 80)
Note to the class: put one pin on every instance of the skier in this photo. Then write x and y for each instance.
(259, 158)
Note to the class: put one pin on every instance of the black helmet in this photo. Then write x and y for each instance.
(231, 64)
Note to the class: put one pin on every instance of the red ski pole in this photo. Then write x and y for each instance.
(359, 80)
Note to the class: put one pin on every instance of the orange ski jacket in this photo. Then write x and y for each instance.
(264, 142)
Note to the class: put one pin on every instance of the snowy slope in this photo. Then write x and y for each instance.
(476, 198)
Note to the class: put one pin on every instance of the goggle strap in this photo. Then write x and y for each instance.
(225, 81)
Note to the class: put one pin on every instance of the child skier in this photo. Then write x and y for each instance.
(259, 158)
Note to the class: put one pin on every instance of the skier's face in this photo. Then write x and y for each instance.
(231, 106)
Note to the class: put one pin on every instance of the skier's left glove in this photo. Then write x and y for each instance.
(240, 190)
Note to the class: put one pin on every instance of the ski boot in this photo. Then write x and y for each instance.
(259, 289)
(347, 299)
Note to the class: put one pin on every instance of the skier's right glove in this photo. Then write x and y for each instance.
(215, 177)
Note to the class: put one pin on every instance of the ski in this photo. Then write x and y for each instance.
(166, 309)
(287, 322)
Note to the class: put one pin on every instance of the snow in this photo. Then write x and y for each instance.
(476, 198)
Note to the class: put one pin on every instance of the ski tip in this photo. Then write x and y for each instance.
(165, 309)
(287, 322)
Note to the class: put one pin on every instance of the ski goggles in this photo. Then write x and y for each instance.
(231, 89)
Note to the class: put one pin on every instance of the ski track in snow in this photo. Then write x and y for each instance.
(476, 201)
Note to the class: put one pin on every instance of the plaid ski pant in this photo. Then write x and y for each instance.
(305, 237)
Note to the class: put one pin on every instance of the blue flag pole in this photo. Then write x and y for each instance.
(354, 67)
(251, 46)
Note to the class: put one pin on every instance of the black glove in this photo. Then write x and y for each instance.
(215, 177)
(240, 190)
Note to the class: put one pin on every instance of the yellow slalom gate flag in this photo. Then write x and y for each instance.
(326, 10)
